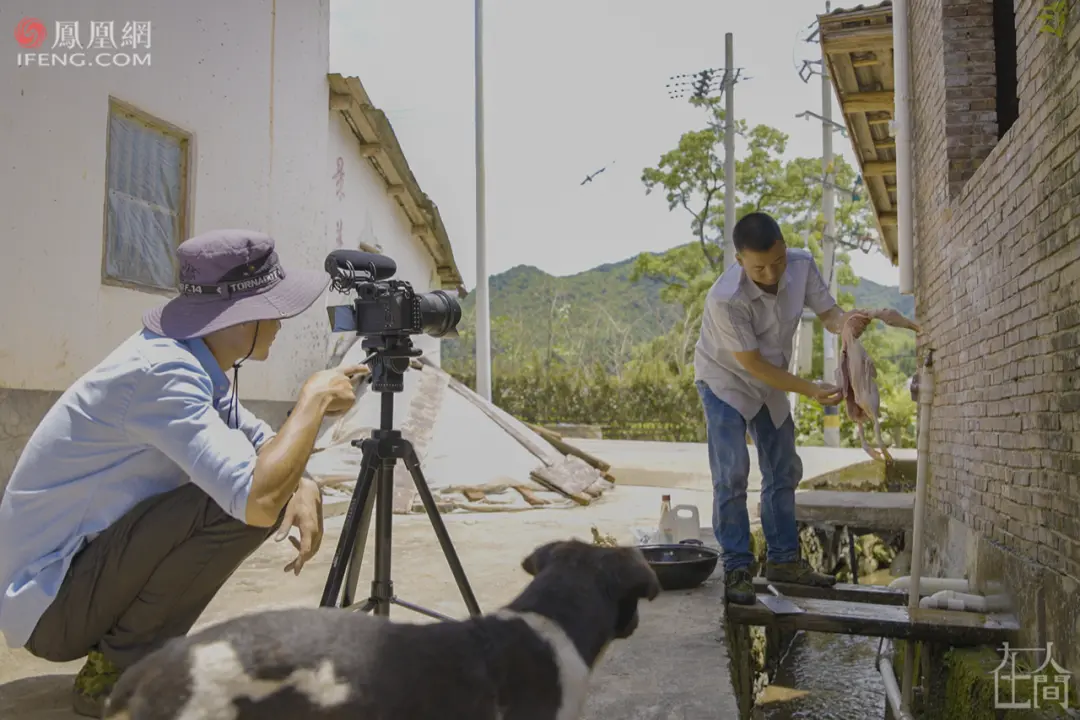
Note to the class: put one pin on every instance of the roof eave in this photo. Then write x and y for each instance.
(379, 144)
(857, 46)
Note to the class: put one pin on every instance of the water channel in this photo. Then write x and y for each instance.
(827, 677)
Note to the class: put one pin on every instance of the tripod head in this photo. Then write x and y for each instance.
(389, 359)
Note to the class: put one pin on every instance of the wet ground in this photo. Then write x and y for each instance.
(827, 677)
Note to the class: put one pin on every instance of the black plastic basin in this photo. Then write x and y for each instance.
(682, 566)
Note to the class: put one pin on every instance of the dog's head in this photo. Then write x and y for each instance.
(621, 574)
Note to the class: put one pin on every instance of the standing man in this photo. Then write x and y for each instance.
(147, 484)
(751, 314)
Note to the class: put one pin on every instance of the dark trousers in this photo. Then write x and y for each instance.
(145, 580)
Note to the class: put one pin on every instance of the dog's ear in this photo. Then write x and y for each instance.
(634, 577)
(539, 558)
(631, 580)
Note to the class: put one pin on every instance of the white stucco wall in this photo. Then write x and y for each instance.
(368, 215)
(248, 79)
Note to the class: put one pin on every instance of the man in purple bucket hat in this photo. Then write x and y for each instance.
(147, 484)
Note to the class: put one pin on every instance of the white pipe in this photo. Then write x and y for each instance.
(888, 678)
(931, 585)
(950, 600)
(483, 304)
(922, 471)
(902, 119)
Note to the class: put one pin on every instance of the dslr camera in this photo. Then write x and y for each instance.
(386, 309)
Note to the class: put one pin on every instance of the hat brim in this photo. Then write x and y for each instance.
(192, 316)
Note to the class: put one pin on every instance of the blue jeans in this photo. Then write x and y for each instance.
(729, 460)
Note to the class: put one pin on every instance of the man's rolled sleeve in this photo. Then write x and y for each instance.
(732, 326)
(173, 410)
(818, 297)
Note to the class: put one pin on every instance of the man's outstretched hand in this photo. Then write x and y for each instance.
(827, 394)
(859, 320)
(304, 512)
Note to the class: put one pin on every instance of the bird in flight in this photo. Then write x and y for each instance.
(589, 178)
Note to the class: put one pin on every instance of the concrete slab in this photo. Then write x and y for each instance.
(678, 634)
(676, 668)
(877, 510)
(686, 465)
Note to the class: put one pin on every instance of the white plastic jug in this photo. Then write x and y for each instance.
(686, 524)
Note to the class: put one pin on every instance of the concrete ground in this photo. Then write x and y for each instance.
(674, 668)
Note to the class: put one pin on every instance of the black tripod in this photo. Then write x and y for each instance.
(388, 361)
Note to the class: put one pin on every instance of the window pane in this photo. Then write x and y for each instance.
(144, 163)
(143, 204)
(140, 246)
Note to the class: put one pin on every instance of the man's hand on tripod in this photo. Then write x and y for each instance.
(336, 386)
(304, 512)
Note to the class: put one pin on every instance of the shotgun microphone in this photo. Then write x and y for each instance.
(348, 262)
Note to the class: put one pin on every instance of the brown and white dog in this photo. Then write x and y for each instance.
(531, 660)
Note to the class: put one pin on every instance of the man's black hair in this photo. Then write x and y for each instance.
(757, 232)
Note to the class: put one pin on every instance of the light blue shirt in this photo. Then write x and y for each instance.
(149, 418)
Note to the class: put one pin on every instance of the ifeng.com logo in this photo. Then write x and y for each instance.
(99, 43)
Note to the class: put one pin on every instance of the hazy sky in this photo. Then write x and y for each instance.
(571, 86)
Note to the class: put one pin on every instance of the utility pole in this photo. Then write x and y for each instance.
(729, 150)
(483, 304)
(828, 210)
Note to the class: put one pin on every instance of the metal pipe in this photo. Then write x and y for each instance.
(922, 469)
(888, 679)
(902, 128)
(831, 416)
(483, 304)
(729, 150)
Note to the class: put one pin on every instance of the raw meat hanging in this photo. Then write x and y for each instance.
(857, 377)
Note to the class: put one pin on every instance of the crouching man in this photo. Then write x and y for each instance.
(147, 484)
(751, 315)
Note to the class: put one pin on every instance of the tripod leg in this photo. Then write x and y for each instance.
(382, 587)
(353, 517)
(412, 462)
(352, 578)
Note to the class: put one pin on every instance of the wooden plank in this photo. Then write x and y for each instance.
(857, 39)
(870, 101)
(888, 218)
(879, 167)
(571, 478)
(956, 628)
(847, 592)
(497, 417)
(567, 449)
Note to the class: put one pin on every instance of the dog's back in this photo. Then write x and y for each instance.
(529, 661)
(309, 663)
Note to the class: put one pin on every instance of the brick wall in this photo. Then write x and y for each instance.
(998, 280)
(971, 127)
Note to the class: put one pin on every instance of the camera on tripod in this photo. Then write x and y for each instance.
(386, 313)
(385, 307)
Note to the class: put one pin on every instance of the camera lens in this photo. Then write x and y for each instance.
(439, 313)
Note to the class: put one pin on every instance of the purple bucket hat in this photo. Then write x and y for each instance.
(229, 277)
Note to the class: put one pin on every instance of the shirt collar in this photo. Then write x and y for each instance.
(206, 358)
